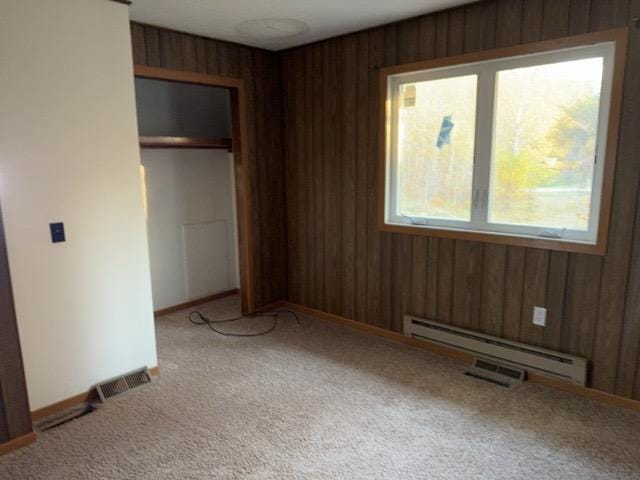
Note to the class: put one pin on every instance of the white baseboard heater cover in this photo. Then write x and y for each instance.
(546, 362)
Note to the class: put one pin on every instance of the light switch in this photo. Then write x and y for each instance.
(57, 232)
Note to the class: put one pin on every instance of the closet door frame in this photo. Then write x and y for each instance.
(240, 148)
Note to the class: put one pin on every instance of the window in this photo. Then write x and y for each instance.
(511, 148)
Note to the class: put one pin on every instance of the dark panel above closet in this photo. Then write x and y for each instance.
(182, 110)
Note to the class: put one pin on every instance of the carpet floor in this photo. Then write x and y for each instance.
(321, 401)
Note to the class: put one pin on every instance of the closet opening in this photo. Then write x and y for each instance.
(195, 174)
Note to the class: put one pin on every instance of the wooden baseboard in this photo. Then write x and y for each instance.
(67, 403)
(380, 332)
(594, 394)
(71, 402)
(198, 301)
(17, 443)
(271, 306)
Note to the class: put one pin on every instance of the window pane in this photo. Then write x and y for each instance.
(436, 130)
(544, 148)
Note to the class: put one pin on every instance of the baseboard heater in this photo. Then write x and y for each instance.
(546, 362)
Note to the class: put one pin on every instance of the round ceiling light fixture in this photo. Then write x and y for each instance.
(271, 28)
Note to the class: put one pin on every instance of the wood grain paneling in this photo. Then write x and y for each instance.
(261, 72)
(377, 287)
(593, 302)
(4, 428)
(15, 420)
(349, 191)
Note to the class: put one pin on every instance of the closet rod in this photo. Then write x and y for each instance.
(185, 142)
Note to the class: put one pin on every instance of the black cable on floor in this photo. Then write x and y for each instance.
(197, 318)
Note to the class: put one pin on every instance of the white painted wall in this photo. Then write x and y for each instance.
(193, 188)
(68, 152)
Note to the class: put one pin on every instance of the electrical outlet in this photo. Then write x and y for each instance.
(540, 316)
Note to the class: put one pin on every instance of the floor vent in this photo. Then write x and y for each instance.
(122, 384)
(505, 352)
(503, 375)
(64, 417)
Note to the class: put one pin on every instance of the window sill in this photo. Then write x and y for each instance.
(498, 238)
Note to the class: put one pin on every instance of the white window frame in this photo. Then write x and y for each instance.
(486, 72)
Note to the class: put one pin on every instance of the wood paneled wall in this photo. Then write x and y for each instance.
(340, 263)
(15, 417)
(157, 47)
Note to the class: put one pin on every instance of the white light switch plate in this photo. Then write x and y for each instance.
(540, 316)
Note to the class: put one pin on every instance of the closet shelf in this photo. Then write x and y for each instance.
(185, 142)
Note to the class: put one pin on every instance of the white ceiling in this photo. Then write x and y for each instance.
(325, 18)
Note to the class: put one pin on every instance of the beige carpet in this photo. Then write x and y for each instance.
(320, 401)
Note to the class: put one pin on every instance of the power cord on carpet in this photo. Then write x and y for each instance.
(197, 318)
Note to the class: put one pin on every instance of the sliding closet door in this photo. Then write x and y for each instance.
(15, 419)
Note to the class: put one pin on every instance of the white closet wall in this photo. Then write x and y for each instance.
(191, 223)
